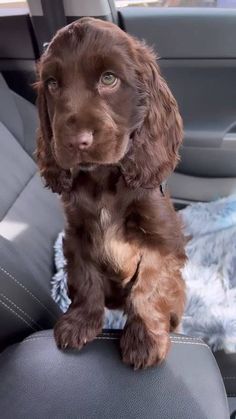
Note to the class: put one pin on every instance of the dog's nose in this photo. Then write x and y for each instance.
(82, 141)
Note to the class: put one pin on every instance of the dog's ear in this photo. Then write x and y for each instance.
(56, 178)
(153, 154)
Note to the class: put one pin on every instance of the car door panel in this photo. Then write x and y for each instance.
(197, 55)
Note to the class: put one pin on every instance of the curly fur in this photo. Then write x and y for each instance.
(123, 242)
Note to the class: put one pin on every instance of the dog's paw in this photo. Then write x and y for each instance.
(142, 349)
(75, 329)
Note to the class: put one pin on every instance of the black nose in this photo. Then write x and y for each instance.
(81, 141)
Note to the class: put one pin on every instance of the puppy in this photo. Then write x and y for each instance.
(109, 136)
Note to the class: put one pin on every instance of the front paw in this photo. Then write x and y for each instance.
(142, 349)
(74, 329)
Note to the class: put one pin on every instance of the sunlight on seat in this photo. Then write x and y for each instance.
(11, 229)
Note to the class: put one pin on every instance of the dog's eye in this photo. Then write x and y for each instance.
(108, 79)
(52, 85)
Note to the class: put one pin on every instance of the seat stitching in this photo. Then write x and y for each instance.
(26, 289)
(22, 311)
(192, 343)
(176, 338)
(37, 338)
(17, 315)
(183, 338)
(113, 338)
(172, 337)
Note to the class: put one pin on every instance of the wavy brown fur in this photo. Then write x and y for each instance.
(123, 242)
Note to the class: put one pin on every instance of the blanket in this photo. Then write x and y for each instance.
(210, 275)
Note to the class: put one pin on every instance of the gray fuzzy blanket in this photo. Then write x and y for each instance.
(210, 275)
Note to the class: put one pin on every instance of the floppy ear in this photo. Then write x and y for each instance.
(153, 153)
(57, 179)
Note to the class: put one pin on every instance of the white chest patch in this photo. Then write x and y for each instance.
(105, 217)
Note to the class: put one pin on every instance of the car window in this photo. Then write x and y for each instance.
(177, 3)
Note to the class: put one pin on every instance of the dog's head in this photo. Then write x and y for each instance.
(101, 101)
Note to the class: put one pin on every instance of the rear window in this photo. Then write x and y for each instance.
(177, 3)
(13, 7)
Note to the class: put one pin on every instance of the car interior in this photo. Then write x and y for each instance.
(196, 46)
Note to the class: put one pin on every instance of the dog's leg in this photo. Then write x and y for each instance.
(157, 296)
(84, 319)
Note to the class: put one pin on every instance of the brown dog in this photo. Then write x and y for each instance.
(109, 135)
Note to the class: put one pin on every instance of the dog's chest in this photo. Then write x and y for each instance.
(112, 246)
(105, 218)
(117, 251)
(102, 202)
